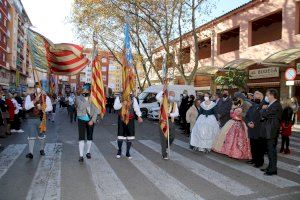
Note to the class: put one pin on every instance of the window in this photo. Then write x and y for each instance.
(229, 41)
(266, 29)
(185, 55)
(204, 49)
(158, 63)
(150, 98)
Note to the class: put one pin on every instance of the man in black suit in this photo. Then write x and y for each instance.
(271, 115)
(224, 107)
(253, 122)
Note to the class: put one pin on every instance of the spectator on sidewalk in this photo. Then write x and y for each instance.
(271, 116)
(193, 113)
(16, 125)
(287, 121)
(71, 107)
(224, 108)
(11, 112)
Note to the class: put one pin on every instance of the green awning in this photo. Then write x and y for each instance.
(283, 57)
(240, 64)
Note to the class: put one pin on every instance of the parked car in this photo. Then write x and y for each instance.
(148, 103)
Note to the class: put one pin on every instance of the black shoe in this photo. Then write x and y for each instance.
(29, 155)
(128, 155)
(257, 166)
(88, 156)
(270, 173)
(80, 159)
(264, 170)
(42, 152)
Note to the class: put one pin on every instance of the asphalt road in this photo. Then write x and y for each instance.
(188, 175)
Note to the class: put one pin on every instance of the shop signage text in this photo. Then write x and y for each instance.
(269, 72)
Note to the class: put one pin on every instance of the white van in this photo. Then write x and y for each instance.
(147, 101)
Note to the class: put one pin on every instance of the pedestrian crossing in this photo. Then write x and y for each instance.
(46, 182)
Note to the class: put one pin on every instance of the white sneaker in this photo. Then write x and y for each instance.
(13, 131)
(118, 156)
(20, 131)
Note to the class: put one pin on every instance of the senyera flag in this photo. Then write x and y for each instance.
(164, 107)
(60, 59)
(97, 91)
(128, 77)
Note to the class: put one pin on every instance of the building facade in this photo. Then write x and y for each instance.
(14, 54)
(245, 37)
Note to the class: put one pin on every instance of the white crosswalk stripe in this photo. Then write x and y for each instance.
(169, 185)
(107, 183)
(47, 178)
(216, 178)
(292, 143)
(9, 155)
(274, 180)
(295, 138)
(292, 157)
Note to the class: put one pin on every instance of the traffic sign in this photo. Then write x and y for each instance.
(290, 74)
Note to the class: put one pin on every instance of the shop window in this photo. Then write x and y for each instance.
(267, 29)
(202, 81)
(204, 49)
(229, 41)
(185, 55)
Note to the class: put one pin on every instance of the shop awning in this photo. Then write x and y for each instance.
(283, 57)
(207, 70)
(240, 64)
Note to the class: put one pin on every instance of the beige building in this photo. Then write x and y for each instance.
(243, 38)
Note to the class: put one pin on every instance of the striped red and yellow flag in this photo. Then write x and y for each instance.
(163, 117)
(98, 97)
(60, 59)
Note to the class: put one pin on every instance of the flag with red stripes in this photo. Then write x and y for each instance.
(60, 59)
(164, 107)
(98, 97)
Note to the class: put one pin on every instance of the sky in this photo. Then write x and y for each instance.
(50, 17)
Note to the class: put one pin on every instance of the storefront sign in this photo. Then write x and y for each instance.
(269, 72)
(298, 68)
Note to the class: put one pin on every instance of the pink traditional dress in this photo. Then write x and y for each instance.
(233, 140)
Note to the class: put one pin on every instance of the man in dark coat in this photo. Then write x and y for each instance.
(271, 115)
(224, 107)
(184, 106)
(253, 122)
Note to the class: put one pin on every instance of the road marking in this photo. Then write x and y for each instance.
(250, 170)
(47, 178)
(166, 183)
(279, 195)
(216, 178)
(296, 158)
(295, 144)
(294, 138)
(9, 155)
(107, 183)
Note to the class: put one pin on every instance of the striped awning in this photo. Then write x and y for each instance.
(240, 64)
(283, 57)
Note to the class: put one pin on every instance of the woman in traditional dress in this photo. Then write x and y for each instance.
(233, 140)
(206, 127)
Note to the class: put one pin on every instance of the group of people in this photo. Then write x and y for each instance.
(243, 127)
(11, 113)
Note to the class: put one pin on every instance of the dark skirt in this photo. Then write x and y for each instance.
(126, 132)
